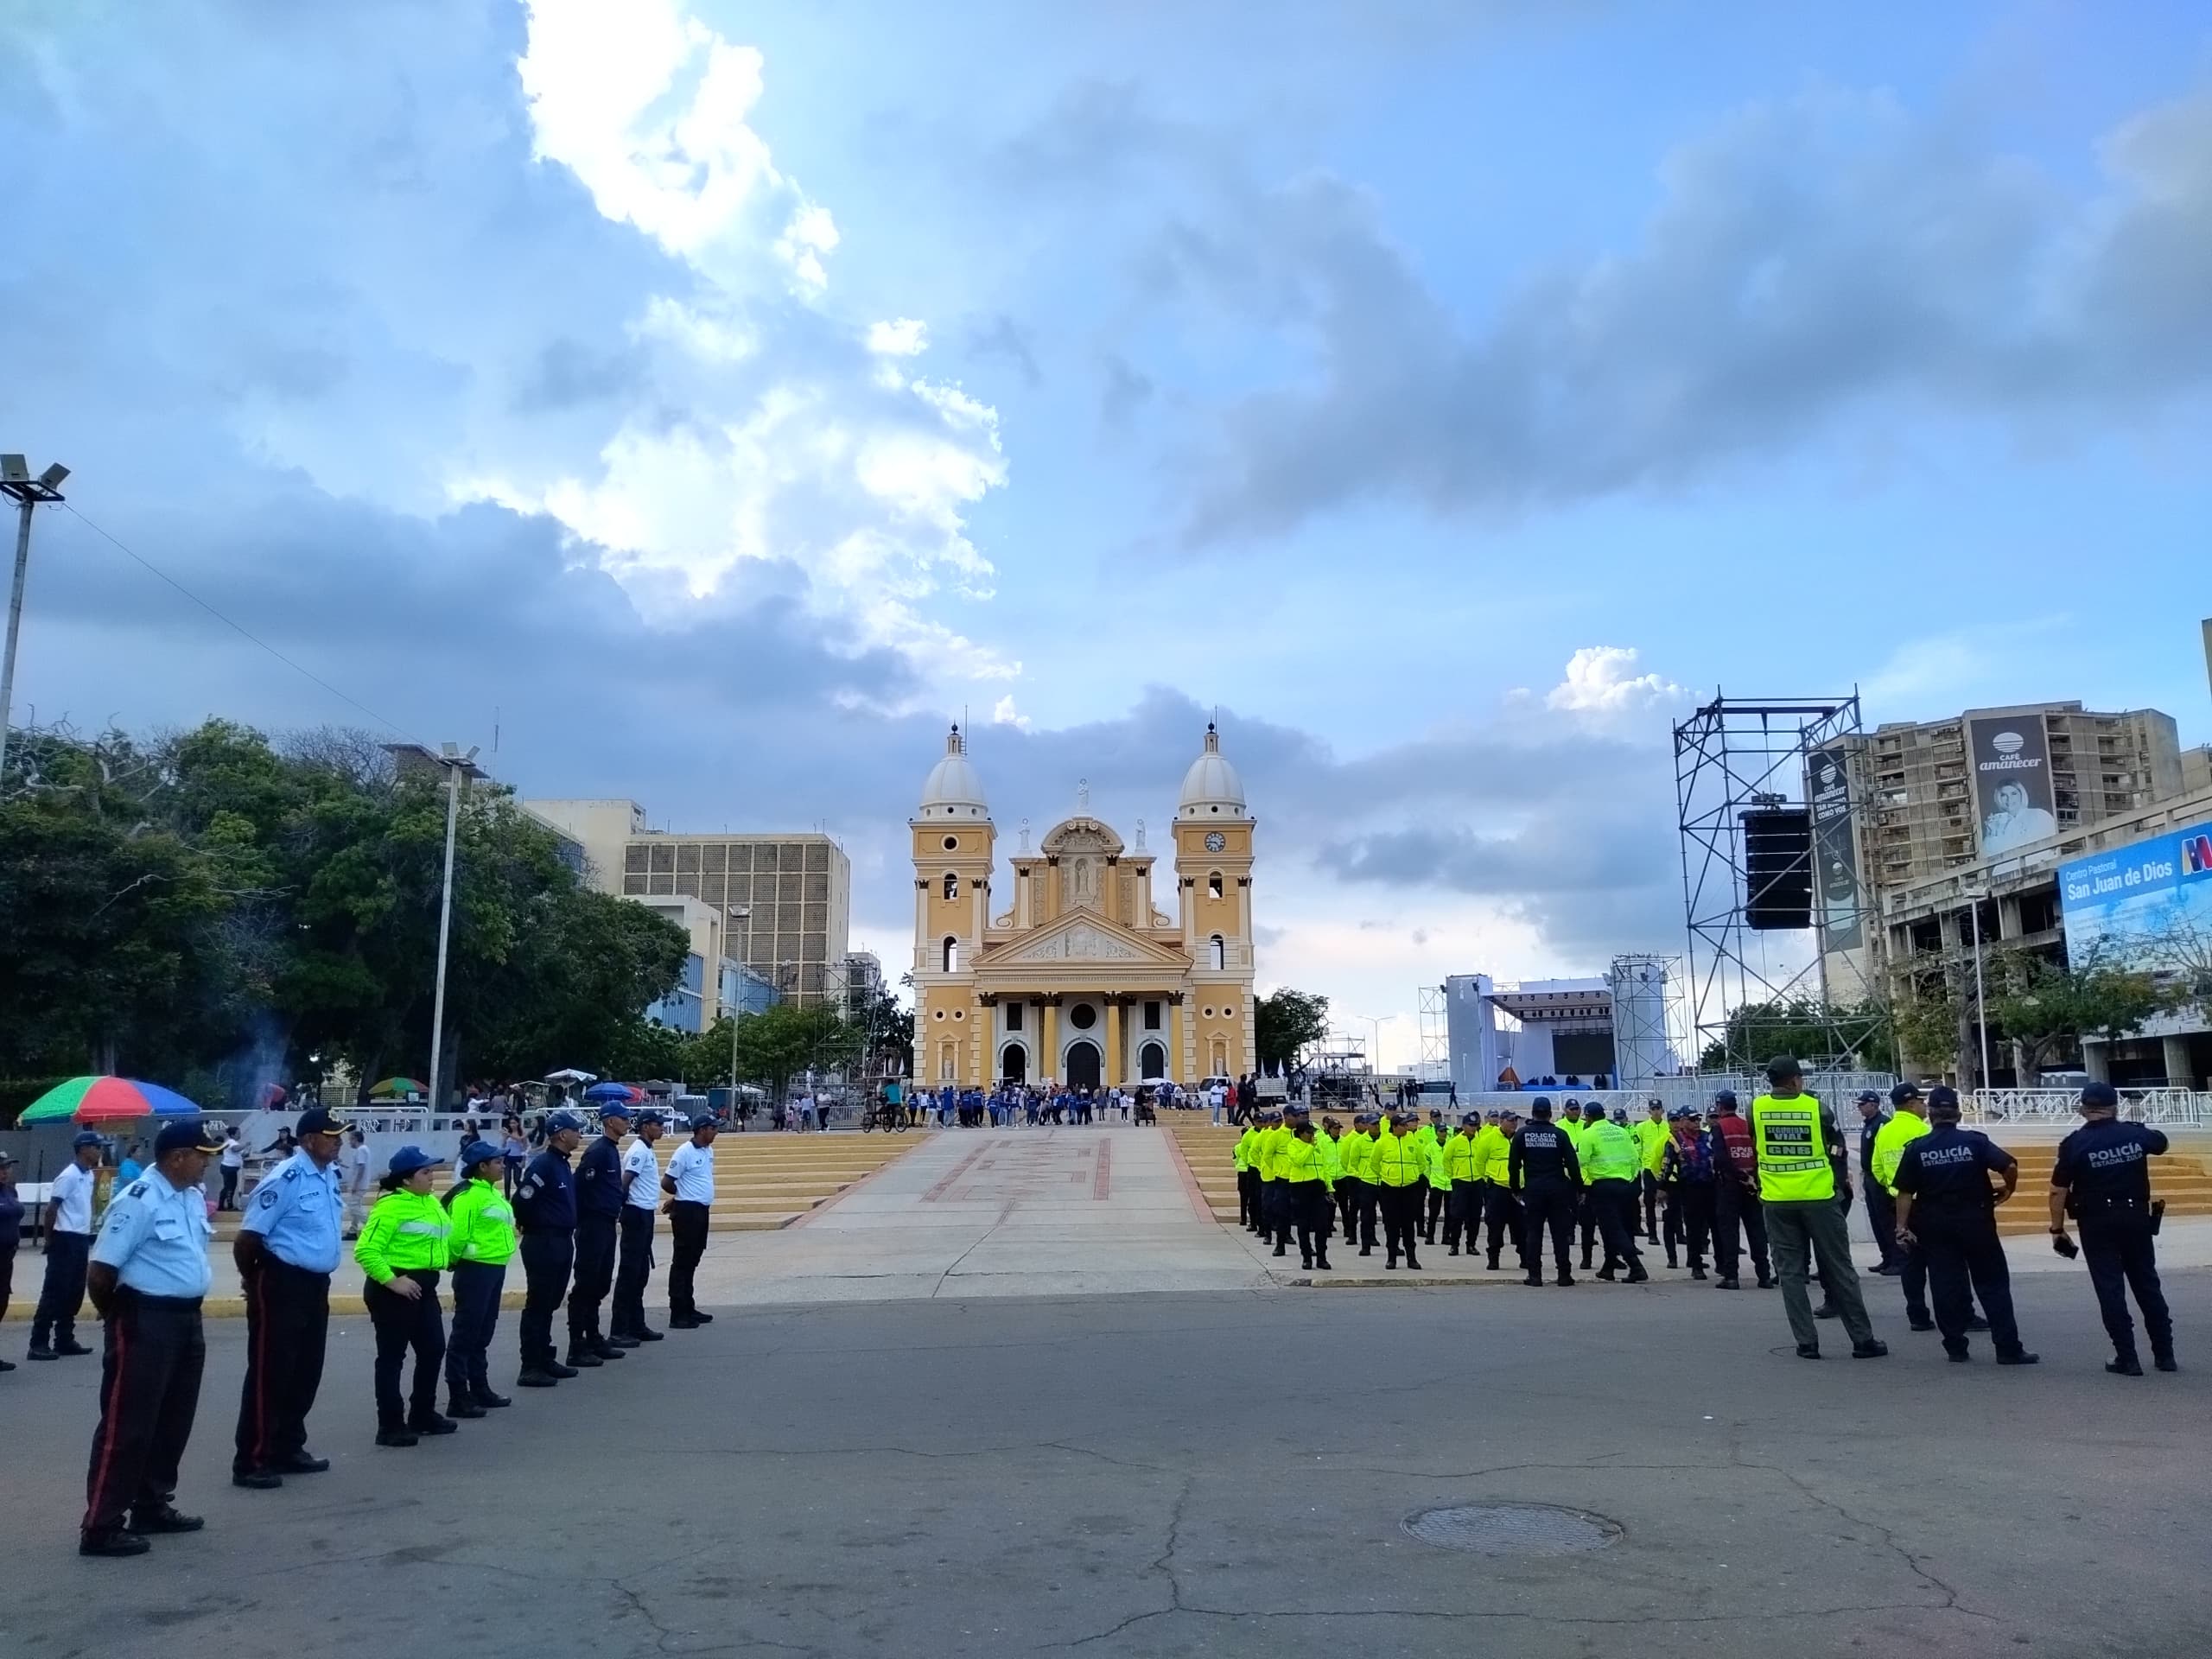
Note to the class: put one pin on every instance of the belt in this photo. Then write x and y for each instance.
(145, 1301)
(275, 1261)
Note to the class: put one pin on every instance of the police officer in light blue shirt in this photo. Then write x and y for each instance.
(287, 1248)
(148, 1272)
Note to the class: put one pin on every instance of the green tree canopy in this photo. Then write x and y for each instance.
(2041, 1005)
(1286, 1021)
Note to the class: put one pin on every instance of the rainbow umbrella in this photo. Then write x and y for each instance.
(398, 1088)
(99, 1099)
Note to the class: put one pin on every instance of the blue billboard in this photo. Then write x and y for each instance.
(2146, 906)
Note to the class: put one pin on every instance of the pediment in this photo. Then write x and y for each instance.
(1081, 835)
(1082, 939)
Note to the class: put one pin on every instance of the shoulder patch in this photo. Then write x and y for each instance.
(269, 1196)
(137, 1190)
(291, 1172)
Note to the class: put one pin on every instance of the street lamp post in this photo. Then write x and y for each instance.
(739, 914)
(458, 766)
(16, 481)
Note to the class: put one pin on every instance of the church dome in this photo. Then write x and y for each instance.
(1211, 788)
(953, 789)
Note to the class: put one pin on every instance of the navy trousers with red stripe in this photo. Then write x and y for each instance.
(150, 1392)
(287, 1323)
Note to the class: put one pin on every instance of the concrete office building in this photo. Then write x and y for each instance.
(794, 891)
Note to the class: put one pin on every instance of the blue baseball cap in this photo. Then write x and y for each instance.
(478, 1152)
(556, 1122)
(407, 1159)
(645, 1115)
(318, 1121)
(1943, 1095)
(615, 1108)
(186, 1134)
(2094, 1095)
(1724, 1097)
(84, 1138)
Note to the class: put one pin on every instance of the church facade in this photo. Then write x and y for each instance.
(1072, 974)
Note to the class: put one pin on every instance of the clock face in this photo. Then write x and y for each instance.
(1216, 842)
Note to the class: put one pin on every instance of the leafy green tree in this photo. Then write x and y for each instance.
(2042, 1005)
(1286, 1021)
(780, 1043)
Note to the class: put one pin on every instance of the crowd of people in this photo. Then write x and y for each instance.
(1774, 1184)
(585, 1235)
(1035, 1106)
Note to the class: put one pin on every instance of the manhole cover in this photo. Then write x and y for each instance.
(1513, 1530)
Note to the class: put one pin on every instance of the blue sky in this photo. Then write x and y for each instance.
(719, 397)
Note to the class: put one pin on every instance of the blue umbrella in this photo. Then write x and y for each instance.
(621, 1092)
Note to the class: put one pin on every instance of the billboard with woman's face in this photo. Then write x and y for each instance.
(2013, 801)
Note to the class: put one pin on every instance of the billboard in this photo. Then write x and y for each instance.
(2013, 798)
(2146, 906)
(1835, 851)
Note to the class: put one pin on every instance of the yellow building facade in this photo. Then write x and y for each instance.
(1070, 973)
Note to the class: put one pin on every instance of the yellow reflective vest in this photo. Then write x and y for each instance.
(1495, 1149)
(483, 1224)
(405, 1232)
(1462, 1157)
(1792, 1151)
(1398, 1161)
(1651, 1144)
(1244, 1145)
(1890, 1142)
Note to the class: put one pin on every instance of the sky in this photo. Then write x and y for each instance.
(710, 401)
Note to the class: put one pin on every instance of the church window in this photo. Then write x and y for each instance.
(1217, 951)
(951, 843)
(1151, 1016)
(1014, 1016)
(1082, 1016)
(1213, 885)
(952, 955)
(951, 885)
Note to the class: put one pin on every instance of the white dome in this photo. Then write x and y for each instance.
(1211, 788)
(953, 789)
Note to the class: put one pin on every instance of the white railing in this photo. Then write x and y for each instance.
(2183, 1106)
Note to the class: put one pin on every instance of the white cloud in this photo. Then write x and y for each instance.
(1003, 713)
(1601, 680)
(898, 337)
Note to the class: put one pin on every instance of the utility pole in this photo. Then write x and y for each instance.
(739, 914)
(458, 766)
(16, 481)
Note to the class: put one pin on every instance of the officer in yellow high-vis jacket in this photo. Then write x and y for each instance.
(1501, 1210)
(481, 1244)
(1400, 1164)
(1462, 1169)
(1247, 1175)
(1791, 1134)
(1301, 1162)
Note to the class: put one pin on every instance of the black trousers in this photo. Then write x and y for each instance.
(7, 1276)
(1882, 1217)
(1463, 1214)
(1247, 1198)
(595, 1277)
(1586, 1216)
(63, 1293)
(476, 1287)
(1310, 1209)
(1612, 1206)
(637, 1226)
(1438, 1203)
(1736, 1206)
(150, 1393)
(546, 1259)
(228, 1199)
(1649, 1184)
(1547, 1206)
(400, 1325)
(1964, 1263)
(2122, 1255)
(1400, 1207)
(1503, 1211)
(1274, 1218)
(1914, 1278)
(1348, 1188)
(287, 1323)
(1370, 1209)
(1689, 1220)
(686, 1226)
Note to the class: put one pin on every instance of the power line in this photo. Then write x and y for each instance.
(238, 627)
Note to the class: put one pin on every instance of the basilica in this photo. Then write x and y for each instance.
(1076, 977)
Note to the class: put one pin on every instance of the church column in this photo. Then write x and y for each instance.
(1048, 1021)
(1175, 1072)
(1113, 1067)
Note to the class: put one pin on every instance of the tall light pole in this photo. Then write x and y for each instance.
(16, 481)
(458, 766)
(739, 914)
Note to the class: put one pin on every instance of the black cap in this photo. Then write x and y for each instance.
(1867, 1095)
(2095, 1095)
(316, 1120)
(1943, 1095)
(187, 1134)
(1903, 1092)
(1784, 1066)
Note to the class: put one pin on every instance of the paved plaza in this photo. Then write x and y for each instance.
(891, 1443)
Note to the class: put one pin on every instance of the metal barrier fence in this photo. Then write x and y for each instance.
(2185, 1107)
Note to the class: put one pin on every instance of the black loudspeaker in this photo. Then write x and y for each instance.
(1777, 869)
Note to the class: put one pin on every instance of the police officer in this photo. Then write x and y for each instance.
(545, 1215)
(1248, 1177)
(2102, 1176)
(66, 1238)
(288, 1247)
(1884, 1152)
(1651, 1137)
(1399, 1165)
(1791, 1132)
(1881, 1207)
(640, 1203)
(1542, 1166)
(479, 1247)
(1610, 1163)
(1686, 1170)
(1463, 1211)
(690, 1183)
(1438, 1199)
(1735, 1195)
(147, 1274)
(1501, 1210)
(599, 1216)
(1947, 1216)
(1302, 1166)
(1359, 1167)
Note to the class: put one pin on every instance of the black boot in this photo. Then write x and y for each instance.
(463, 1405)
(1637, 1275)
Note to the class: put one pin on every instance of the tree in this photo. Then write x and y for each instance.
(2041, 1004)
(1926, 1021)
(1286, 1021)
(777, 1044)
(1816, 1033)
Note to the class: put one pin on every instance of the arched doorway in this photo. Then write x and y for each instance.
(1081, 1066)
(1014, 1064)
(1152, 1062)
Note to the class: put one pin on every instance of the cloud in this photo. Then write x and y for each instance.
(1599, 682)
(1808, 260)
(1005, 339)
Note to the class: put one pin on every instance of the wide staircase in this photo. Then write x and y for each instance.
(2183, 1177)
(765, 1182)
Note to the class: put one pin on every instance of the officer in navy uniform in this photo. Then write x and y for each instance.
(287, 1248)
(1947, 1214)
(148, 1274)
(545, 1216)
(1542, 1168)
(598, 1215)
(2102, 1175)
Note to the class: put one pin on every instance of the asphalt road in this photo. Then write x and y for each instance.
(1225, 1473)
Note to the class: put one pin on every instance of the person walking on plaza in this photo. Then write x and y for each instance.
(545, 1216)
(402, 1250)
(1737, 1220)
(1792, 1134)
(1399, 1165)
(67, 1240)
(148, 1274)
(599, 1216)
(354, 1161)
(232, 1164)
(480, 1246)
(1686, 1172)
(690, 1185)
(12, 1236)
(287, 1248)
(640, 1205)
(1881, 1203)
(1611, 1163)
(1542, 1166)
(1651, 1138)
(2101, 1177)
(1947, 1215)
